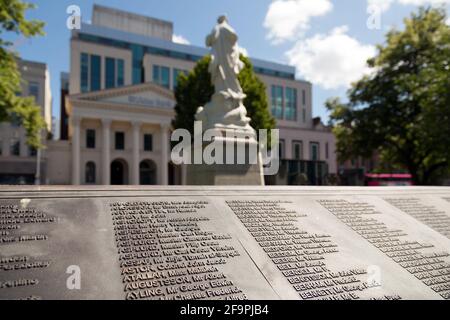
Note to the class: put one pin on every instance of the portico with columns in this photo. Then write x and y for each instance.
(122, 136)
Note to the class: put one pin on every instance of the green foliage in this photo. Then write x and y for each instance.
(12, 20)
(195, 90)
(402, 110)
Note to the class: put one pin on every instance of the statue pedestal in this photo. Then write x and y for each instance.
(241, 165)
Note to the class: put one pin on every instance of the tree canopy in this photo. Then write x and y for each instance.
(195, 90)
(12, 106)
(402, 109)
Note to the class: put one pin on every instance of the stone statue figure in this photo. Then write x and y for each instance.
(226, 108)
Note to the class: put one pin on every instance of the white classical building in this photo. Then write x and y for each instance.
(18, 162)
(120, 104)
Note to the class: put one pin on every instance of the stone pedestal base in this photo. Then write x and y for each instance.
(224, 175)
(244, 172)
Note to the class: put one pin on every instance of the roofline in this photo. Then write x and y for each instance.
(30, 62)
(136, 15)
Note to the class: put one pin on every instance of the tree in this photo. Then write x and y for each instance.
(402, 109)
(195, 90)
(12, 106)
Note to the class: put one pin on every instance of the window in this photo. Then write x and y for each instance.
(277, 102)
(315, 151)
(90, 138)
(90, 173)
(176, 73)
(326, 151)
(290, 111)
(120, 73)
(15, 147)
(32, 152)
(138, 59)
(33, 90)
(148, 142)
(161, 76)
(120, 140)
(96, 68)
(110, 73)
(156, 76)
(281, 150)
(297, 150)
(304, 115)
(304, 97)
(84, 72)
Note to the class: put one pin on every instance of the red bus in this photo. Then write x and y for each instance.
(388, 179)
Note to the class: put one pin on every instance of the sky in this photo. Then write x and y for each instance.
(328, 41)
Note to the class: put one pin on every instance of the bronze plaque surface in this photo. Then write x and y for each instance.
(232, 243)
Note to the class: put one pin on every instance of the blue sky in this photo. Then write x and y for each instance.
(327, 40)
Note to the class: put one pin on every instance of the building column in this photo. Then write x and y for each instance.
(136, 158)
(106, 152)
(76, 150)
(165, 154)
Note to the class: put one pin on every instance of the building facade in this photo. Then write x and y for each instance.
(18, 162)
(120, 103)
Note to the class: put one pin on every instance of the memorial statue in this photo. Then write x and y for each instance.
(226, 108)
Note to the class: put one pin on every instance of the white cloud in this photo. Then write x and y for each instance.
(180, 39)
(243, 51)
(286, 19)
(384, 5)
(332, 60)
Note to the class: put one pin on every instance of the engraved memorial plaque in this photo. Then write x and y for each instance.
(236, 243)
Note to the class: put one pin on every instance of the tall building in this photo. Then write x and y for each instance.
(123, 70)
(18, 161)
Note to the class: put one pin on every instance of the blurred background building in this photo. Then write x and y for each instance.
(117, 104)
(19, 162)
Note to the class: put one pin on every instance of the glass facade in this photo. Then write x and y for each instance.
(161, 76)
(110, 73)
(84, 72)
(139, 51)
(120, 73)
(96, 71)
(277, 102)
(290, 111)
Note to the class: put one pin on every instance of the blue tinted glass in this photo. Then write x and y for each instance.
(277, 102)
(120, 73)
(110, 73)
(84, 72)
(290, 104)
(165, 77)
(96, 70)
(138, 62)
(156, 74)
